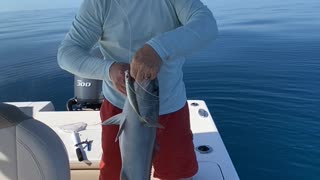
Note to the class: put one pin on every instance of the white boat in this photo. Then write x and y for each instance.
(213, 158)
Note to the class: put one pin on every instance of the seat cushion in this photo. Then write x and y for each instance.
(30, 149)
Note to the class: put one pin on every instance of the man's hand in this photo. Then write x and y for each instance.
(116, 73)
(145, 64)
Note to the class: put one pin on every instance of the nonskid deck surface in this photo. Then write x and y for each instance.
(214, 161)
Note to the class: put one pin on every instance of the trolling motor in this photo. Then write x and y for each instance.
(87, 95)
(87, 92)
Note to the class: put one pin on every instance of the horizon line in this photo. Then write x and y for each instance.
(38, 9)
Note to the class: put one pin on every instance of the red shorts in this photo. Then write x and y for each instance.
(176, 157)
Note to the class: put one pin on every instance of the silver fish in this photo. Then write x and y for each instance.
(138, 124)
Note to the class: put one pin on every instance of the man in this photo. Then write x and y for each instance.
(150, 38)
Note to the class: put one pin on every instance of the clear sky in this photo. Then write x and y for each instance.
(17, 5)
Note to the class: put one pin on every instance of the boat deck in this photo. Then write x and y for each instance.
(213, 158)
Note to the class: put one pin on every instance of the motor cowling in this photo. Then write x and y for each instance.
(87, 95)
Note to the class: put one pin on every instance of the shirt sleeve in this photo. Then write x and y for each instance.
(86, 30)
(198, 29)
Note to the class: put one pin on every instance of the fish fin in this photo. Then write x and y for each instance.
(143, 120)
(114, 120)
(121, 128)
(146, 123)
(154, 125)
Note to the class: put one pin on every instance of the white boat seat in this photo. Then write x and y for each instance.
(29, 149)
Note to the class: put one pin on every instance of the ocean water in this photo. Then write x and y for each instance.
(260, 79)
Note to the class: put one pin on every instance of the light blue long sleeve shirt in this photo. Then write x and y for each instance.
(174, 28)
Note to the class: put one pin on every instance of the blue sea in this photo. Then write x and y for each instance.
(260, 79)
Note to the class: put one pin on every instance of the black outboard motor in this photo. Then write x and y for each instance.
(87, 92)
(87, 95)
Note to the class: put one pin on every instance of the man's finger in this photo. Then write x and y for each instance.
(133, 70)
(153, 76)
(121, 88)
(139, 76)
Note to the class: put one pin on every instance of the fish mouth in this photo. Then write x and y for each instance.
(143, 84)
(132, 97)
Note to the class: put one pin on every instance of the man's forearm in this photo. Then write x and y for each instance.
(79, 62)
